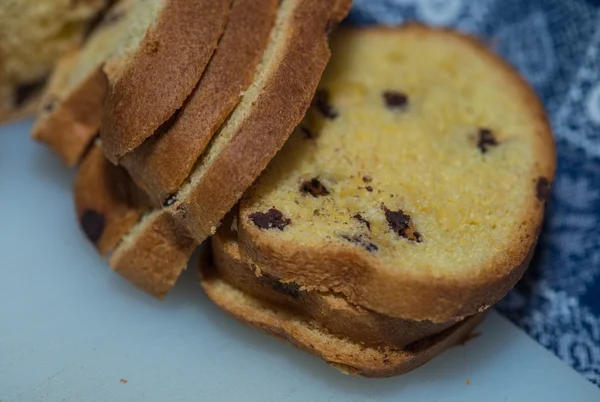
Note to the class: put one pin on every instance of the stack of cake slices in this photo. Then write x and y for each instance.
(368, 209)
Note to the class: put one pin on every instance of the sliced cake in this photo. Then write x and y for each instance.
(162, 163)
(106, 201)
(416, 184)
(108, 206)
(326, 310)
(266, 115)
(346, 355)
(156, 66)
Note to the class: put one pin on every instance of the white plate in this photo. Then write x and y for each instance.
(71, 330)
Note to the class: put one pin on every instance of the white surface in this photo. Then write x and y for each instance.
(70, 329)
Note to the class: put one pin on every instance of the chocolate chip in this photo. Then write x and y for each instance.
(272, 219)
(289, 289)
(92, 224)
(397, 220)
(543, 189)
(395, 99)
(362, 220)
(307, 133)
(486, 139)
(25, 92)
(400, 223)
(314, 187)
(170, 200)
(361, 241)
(369, 189)
(321, 102)
(367, 179)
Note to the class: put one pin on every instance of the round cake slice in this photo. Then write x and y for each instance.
(348, 356)
(326, 310)
(417, 182)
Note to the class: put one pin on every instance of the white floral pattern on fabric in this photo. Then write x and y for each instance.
(555, 44)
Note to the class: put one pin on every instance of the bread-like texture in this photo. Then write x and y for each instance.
(266, 116)
(33, 35)
(153, 254)
(69, 117)
(341, 353)
(269, 110)
(108, 206)
(165, 160)
(106, 201)
(325, 310)
(417, 183)
(154, 70)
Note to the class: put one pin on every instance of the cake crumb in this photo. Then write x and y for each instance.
(122, 381)
(468, 382)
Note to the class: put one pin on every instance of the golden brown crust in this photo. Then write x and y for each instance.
(279, 108)
(106, 203)
(342, 354)
(155, 260)
(108, 206)
(164, 161)
(366, 281)
(68, 123)
(327, 310)
(153, 83)
(159, 246)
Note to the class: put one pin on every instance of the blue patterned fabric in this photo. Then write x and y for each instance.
(555, 44)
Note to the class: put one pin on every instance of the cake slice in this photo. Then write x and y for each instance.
(343, 354)
(106, 201)
(162, 163)
(108, 206)
(327, 310)
(416, 185)
(34, 34)
(72, 107)
(266, 115)
(156, 66)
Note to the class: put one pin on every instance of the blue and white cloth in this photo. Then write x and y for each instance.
(555, 44)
